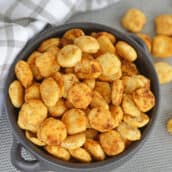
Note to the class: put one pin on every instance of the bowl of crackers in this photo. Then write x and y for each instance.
(80, 97)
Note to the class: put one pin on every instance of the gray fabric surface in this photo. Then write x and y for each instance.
(156, 153)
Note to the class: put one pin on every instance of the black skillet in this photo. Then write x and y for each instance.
(44, 161)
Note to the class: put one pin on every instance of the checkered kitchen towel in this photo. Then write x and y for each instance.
(21, 19)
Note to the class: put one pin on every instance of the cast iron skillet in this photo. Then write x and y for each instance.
(44, 161)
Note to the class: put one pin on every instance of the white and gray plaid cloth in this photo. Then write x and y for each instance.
(21, 19)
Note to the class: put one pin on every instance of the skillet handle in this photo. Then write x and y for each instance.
(141, 44)
(19, 162)
(139, 41)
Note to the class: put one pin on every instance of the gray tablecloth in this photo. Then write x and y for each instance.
(156, 154)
